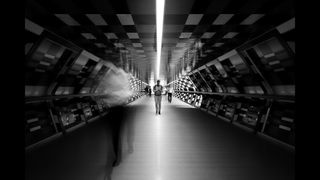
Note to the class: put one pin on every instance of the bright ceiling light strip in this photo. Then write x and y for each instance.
(160, 14)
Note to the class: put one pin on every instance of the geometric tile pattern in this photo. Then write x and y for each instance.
(106, 27)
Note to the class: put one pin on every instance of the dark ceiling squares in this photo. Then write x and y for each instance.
(196, 35)
(111, 19)
(208, 19)
(201, 29)
(147, 40)
(237, 19)
(118, 29)
(175, 19)
(178, 6)
(189, 28)
(217, 6)
(82, 19)
(172, 28)
(130, 28)
(144, 19)
(148, 44)
(138, 7)
(146, 28)
(146, 35)
(135, 40)
(122, 35)
(214, 28)
(171, 35)
(200, 6)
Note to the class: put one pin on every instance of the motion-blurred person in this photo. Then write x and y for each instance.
(170, 91)
(116, 86)
(157, 89)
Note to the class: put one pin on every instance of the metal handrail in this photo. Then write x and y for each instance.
(276, 97)
(47, 98)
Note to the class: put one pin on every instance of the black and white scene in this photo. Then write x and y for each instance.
(159, 90)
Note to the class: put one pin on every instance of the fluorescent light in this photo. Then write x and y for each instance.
(160, 14)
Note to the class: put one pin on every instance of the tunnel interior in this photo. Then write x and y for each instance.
(227, 60)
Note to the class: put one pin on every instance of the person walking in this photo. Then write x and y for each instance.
(157, 89)
(170, 91)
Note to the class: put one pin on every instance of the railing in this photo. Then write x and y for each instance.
(275, 97)
(55, 120)
(261, 113)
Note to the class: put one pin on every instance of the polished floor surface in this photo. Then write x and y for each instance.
(183, 143)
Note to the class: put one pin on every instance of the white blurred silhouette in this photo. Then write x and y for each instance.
(116, 85)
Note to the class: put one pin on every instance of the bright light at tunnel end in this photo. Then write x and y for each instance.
(160, 14)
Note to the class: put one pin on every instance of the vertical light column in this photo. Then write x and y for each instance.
(160, 15)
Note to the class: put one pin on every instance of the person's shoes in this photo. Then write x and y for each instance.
(115, 163)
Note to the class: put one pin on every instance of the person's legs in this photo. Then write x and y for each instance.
(160, 97)
(156, 104)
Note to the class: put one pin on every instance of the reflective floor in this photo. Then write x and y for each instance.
(183, 143)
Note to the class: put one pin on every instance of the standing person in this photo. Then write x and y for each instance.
(157, 89)
(170, 91)
(146, 90)
(149, 90)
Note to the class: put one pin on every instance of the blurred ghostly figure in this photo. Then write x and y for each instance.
(116, 85)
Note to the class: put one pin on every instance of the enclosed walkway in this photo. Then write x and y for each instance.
(183, 143)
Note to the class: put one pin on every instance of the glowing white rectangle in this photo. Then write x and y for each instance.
(217, 44)
(287, 119)
(278, 70)
(49, 56)
(35, 128)
(284, 128)
(44, 63)
(33, 120)
(159, 22)
(269, 55)
(274, 62)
